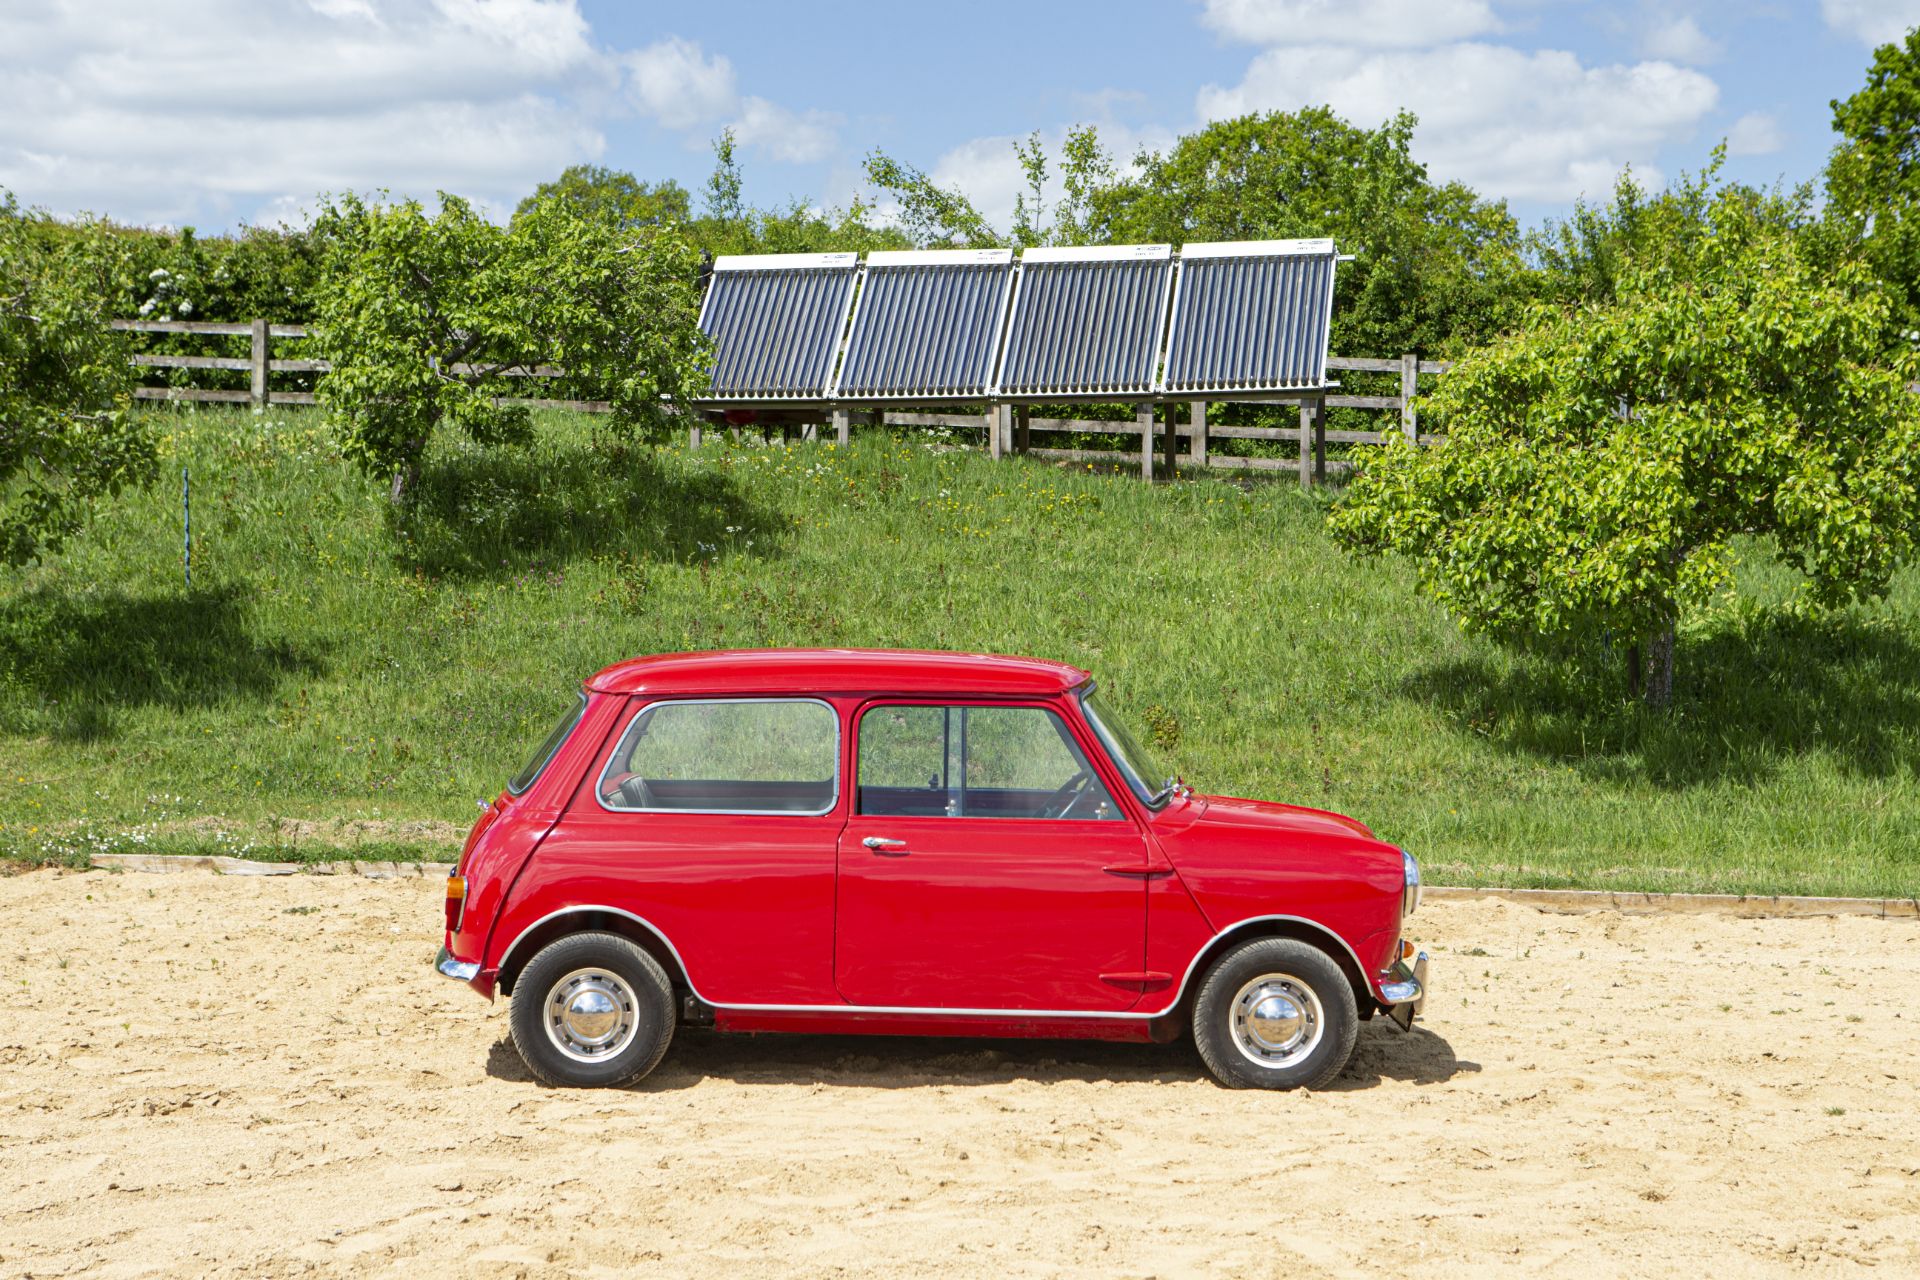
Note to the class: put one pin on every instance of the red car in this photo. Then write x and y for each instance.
(888, 842)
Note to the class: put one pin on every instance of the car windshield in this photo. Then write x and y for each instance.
(1144, 774)
(524, 779)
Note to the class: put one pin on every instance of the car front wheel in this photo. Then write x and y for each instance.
(592, 1009)
(1275, 1013)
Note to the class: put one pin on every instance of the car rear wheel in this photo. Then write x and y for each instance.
(1275, 1013)
(592, 1009)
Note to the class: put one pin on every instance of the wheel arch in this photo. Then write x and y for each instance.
(1298, 928)
(589, 919)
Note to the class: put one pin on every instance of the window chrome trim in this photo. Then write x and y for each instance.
(533, 771)
(923, 1011)
(833, 801)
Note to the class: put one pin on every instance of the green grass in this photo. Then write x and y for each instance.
(337, 682)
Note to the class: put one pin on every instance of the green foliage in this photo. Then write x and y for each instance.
(1436, 268)
(1873, 179)
(424, 316)
(933, 216)
(331, 688)
(66, 439)
(1599, 464)
(614, 197)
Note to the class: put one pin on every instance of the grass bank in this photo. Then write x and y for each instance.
(335, 680)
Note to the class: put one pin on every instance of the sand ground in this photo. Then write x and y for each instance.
(205, 1075)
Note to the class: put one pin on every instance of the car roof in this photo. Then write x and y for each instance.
(805, 671)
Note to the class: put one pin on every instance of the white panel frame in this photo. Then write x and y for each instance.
(939, 257)
(1258, 249)
(784, 261)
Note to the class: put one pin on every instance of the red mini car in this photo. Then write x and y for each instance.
(850, 841)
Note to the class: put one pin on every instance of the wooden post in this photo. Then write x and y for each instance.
(1409, 383)
(1173, 442)
(1197, 427)
(1022, 429)
(842, 427)
(693, 431)
(878, 418)
(810, 431)
(259, 388)
(1306, 444)
(1320, 440)
(1144, 417)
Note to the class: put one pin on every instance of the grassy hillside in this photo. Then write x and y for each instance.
(336, 681)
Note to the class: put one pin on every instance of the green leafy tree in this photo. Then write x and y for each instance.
(1873, 179)
(66, 439)
(613, 196)
(1436, 268)
(1598, 463)
(423, 318)
(932, 216)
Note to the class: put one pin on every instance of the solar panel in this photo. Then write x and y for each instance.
(927, 325)
(1251, 315)
(1087, 321)
(775, 320)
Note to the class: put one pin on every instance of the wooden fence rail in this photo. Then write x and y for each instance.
(1008, 430)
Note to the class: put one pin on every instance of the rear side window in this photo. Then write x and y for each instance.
(549, 748)
(742, 756)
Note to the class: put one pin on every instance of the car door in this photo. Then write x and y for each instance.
(715, 821)
(985, 865)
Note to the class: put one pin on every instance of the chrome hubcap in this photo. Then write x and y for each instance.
(590, 1015)
(1277, 1020)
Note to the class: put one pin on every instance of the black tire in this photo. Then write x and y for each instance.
(607, 976)
(1311, 999)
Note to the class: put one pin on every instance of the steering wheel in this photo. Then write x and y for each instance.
(1070, 793)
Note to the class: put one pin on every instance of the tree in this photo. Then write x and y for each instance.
(423, 318)
(933, 216)
(1436, 268)
(613, 196)
(66, 438)
(1598, 464)
(1873, 178)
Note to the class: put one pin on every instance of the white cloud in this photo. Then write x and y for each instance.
(1679, 39)
(1755, 134)
(1872, 21)
(1400, 24)
(678, 85)
(1537, 125)
(215, 111)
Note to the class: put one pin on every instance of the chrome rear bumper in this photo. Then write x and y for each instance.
(447, 967)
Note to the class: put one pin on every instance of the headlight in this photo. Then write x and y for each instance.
(1410, 895)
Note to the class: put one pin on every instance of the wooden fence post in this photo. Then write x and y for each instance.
(1173, 442)
(693, 431)
(1409, 384)
(1143, 416)
(1197, 426)
(842, 427)
(1306, 444)
(259, 387)
(1022, 429)
(1320, 440)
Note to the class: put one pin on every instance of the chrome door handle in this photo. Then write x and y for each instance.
(880, 844)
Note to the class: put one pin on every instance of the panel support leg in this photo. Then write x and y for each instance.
(1197, 433)
(842, 427)
(1022, 429)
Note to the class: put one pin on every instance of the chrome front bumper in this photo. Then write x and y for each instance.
(1405, 990)
(447, 967)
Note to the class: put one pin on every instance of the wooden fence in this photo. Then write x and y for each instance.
(1158, 427)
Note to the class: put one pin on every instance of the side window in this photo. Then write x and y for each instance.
(975, 762)
(726, 757)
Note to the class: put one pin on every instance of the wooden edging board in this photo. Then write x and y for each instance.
(1733, 904)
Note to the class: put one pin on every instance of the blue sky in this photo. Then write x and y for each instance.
(215, 112)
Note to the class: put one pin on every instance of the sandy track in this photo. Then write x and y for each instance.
(206, 1075)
